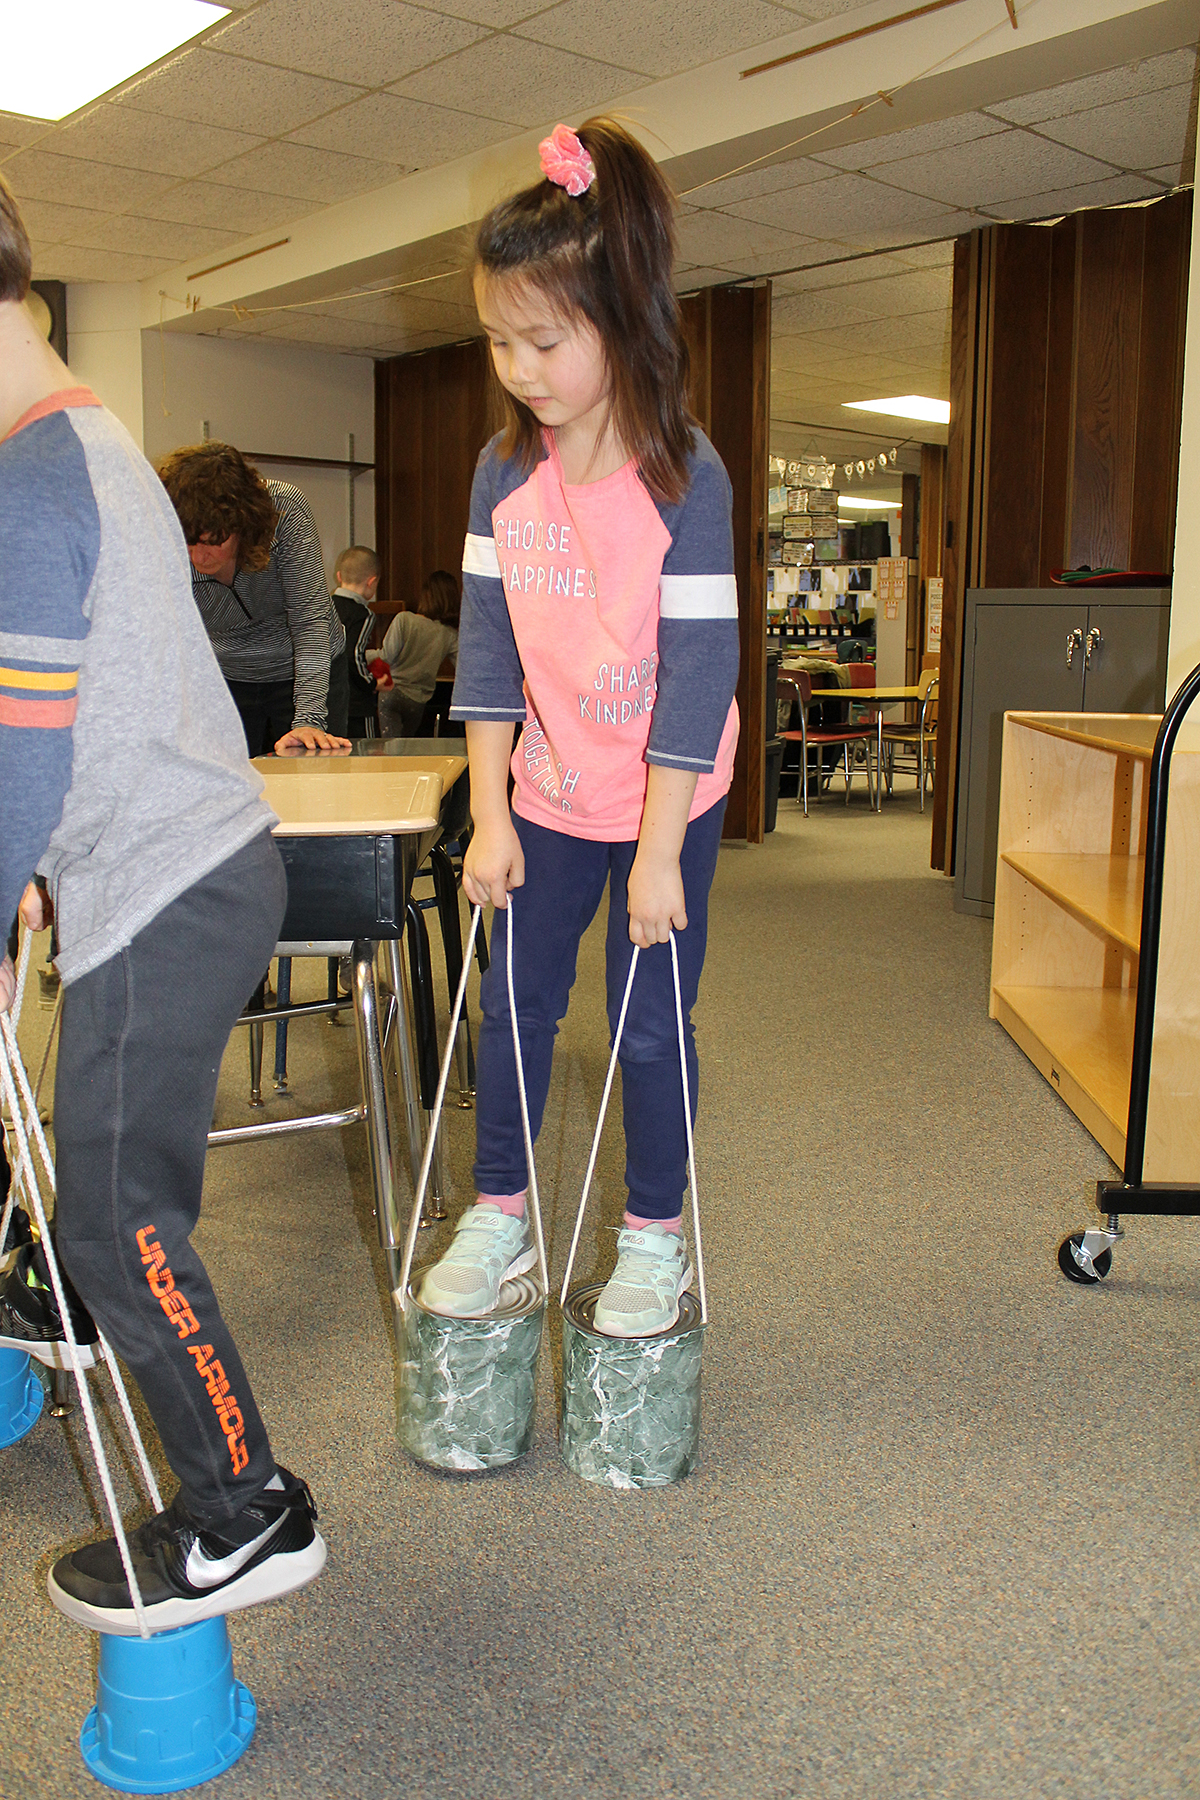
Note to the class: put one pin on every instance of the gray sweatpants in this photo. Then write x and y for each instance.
(142, 1041)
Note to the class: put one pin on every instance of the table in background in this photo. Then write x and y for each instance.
(353, 829)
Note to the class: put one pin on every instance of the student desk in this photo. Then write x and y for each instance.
(353, 829)
(880, 696)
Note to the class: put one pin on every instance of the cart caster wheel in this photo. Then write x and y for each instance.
(1073, 1270)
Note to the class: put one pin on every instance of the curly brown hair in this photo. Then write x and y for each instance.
(16, 259)
(216, 492)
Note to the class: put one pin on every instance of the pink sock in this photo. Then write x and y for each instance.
(634, 1223)
(512, 1204)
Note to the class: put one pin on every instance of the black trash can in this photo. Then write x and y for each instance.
(774, 749)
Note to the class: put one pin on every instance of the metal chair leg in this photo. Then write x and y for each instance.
(379, 1138)
(256, 1004)
(284, 991)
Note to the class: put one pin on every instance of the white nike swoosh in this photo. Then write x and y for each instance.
(203, 1572)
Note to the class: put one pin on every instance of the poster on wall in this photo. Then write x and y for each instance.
(933, 615)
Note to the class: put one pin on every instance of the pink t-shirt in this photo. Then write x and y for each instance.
(583, 571)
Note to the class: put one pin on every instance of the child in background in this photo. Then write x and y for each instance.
(599, 613)
(357, 577)
(415, 646)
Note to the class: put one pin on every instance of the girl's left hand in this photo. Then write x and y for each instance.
(656, 899)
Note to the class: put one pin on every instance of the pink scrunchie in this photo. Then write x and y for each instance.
(565, 161)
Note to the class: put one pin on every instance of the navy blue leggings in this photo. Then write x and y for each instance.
(564, 881)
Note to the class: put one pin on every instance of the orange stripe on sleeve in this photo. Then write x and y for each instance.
(46, 715)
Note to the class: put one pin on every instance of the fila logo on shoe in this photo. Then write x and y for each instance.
(209, 1572)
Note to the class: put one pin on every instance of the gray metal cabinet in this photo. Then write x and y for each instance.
(1043, 650)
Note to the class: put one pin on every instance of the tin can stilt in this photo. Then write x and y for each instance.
(630, 1413)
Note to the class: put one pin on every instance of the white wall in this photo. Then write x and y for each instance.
(104, 346)
(1183, 652)
(281, 399)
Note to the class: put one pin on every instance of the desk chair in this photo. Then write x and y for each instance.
(914, 737)
(820, 736)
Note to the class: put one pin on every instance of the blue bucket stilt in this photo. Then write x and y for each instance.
(169, 1711)
(21, 1396)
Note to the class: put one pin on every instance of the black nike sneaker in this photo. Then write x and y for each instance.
(29, 1316)
(186, 1571)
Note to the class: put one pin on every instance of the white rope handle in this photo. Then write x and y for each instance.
(10, 1062)
(687, 1116)
(435, 1118)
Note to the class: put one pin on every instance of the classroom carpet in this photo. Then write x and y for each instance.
(942, 1538)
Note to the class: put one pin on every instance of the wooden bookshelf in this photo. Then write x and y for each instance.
(1068, 922)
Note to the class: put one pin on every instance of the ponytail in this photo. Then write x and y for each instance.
(608, 254)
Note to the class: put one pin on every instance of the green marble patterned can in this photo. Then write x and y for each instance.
(466, 1388)
(630, 1413)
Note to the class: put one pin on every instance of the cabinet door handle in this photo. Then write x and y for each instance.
(1095, 641)
(1074, 642)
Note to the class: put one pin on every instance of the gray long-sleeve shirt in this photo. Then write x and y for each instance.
(123, 770)
(278, 623)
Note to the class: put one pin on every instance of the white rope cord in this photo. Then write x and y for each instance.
(687, 1125)
(535, 1206)
(14, 1015)
(10, 1060)
(687, 1117)
(435, 1117)
(22, 976)
(591, 1168)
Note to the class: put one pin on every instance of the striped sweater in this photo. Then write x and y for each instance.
(123, 769)
(278, 623)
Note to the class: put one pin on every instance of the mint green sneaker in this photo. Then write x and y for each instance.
(489, 1248)
(641, 1295)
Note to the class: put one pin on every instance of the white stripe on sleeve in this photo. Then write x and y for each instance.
(479, 556)
(697, 596)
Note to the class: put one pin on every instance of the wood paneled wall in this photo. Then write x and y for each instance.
(729, 336)
(1065, 412)
(430, 425)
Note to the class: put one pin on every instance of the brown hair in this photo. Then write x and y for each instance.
(357, 564)
(16, 257)
(608, 255)
(440, 598)
(216, 492)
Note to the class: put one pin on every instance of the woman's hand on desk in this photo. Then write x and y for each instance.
(494, 863)
(309, 737)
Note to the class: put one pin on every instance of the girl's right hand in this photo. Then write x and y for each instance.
(494, 863)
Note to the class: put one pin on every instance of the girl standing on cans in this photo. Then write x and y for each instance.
(600, 614)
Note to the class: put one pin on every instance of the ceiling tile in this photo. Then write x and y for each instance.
(16, 129)
(1120, 190)
(346, 40)
(303, 173)
(882, 295)
(811, 312)
(233, 209)
(48, 223)
(1015, 162)
(167, 243)
(839, 273)
(526, 84)
(689, 279)
(666, 37)
(140, 140)
(722, 239)
(405, 132)
(319, 328)
(1137, 134)
(38, 175)
(846, 205)
(496, 13)
(226, 90)
(69, 263)
(819, 9)
(918, 140)
(771, 179)
(1170, 175)
(1173, 69)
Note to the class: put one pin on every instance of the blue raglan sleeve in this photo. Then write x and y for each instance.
(697, 629)
(489, 682)
(49, 547)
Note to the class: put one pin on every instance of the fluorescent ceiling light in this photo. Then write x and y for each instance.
(906, 406)
(55, 63)
(866, 505)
